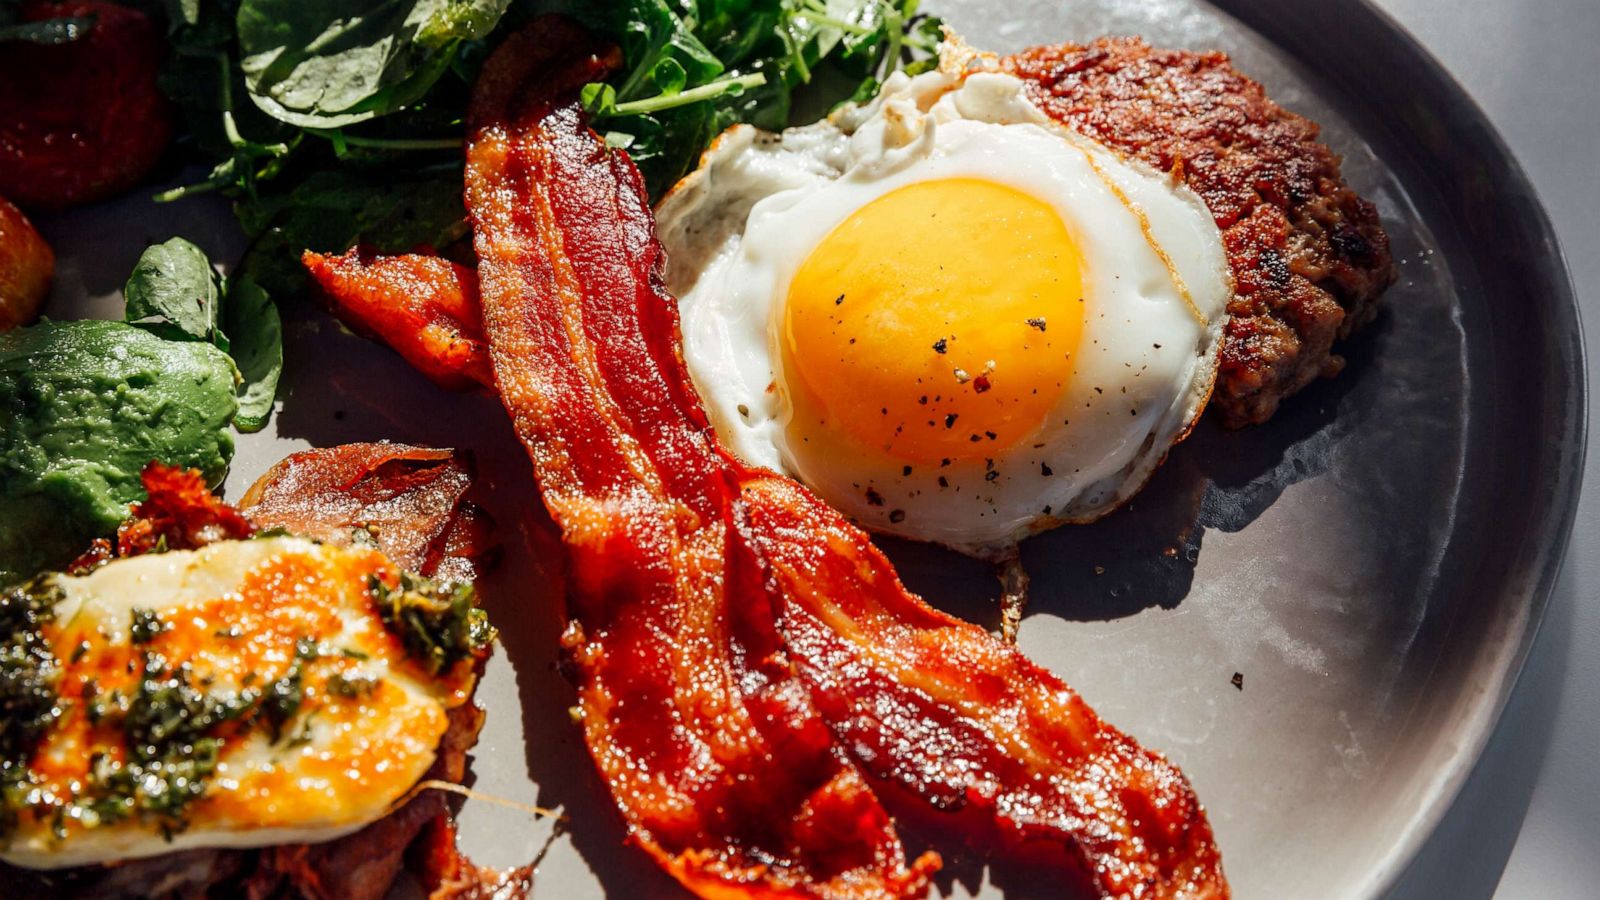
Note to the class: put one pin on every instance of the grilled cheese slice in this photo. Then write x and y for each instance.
(247, 694)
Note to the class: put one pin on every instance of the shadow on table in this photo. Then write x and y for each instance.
(1144, 554)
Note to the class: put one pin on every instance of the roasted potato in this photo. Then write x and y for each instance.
(26, 266)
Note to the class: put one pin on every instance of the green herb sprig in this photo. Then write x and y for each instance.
(692, 69)
(438, 624)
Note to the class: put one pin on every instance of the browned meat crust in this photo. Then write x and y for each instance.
(1309, 255)
(410, 500)
(450, 875)
(364, 865)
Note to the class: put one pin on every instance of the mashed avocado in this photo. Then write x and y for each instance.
(83, 407)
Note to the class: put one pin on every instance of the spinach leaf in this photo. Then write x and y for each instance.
(252, 319)
(174, 292)
(338, 62)
(333, 210)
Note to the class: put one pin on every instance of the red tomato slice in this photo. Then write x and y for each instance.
(85, 120)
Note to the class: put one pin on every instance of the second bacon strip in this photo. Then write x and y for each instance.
(690, 707)
(751, 673)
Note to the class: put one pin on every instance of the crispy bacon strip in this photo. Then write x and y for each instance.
(665, 526)
(938, 710)
(179, 512)
(409, 500)
(690, 706)
(424, 307)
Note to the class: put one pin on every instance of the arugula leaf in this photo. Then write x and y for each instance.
(689, 76)
(252, 319)
(692, 68)
(329, 210)
(356, 124)
(338, 62)
(175, 293)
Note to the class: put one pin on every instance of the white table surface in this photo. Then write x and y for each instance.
(1527, 824)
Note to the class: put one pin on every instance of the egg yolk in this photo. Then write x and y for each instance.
(937, 323)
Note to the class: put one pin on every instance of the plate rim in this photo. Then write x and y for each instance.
(1533, 584)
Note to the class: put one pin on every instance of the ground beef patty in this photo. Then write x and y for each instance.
(1309, 256)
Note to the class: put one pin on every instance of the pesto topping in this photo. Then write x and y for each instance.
(146, 627)
(353, 685)
(283, 697)
(29, 703)
(438, 624)
(168, 723)
(160, 729)
(171, 755)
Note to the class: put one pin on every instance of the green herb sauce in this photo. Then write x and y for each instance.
(438, 624)
(29, 671)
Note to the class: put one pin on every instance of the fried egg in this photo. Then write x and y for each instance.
(952, 318)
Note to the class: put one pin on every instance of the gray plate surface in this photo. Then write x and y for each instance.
(1373, 562)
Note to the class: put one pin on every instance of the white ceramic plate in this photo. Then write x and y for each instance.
(1371, 562)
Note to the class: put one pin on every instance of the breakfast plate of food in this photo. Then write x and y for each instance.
(838, 448)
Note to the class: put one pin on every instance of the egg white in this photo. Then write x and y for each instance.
(1156, 288)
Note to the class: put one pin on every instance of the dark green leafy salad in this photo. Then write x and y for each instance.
(354, 121)
(338, 122)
